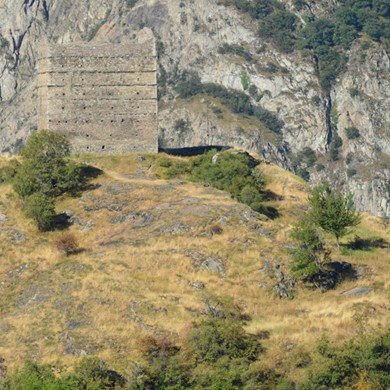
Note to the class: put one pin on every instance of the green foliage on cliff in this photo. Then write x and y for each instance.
(236, 101)
(328, 37)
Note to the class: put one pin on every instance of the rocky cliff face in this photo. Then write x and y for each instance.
(189, 35)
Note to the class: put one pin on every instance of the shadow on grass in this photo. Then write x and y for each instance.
(88, 172)
(61, 221)
(366, 244)
(269, 211)
(269, 195)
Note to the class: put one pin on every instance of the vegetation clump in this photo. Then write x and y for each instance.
(235, 49)
(40, 208)
(327, 38)
(45, 167)
(352, 132)
(310, 255)
(333, 212)
(68, 244)
(45, 173)
(234, 172)
(236, 101)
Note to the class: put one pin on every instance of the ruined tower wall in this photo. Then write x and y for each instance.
(102, 97)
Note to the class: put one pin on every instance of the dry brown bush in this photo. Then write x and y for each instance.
(67, 243)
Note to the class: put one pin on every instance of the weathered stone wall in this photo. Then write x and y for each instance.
(102, 97)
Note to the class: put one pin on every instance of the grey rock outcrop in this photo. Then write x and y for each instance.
(189, 34)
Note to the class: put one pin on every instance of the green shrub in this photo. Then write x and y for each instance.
(37, 377)
(363, 361)
(303, 173)
(309, 156)
(353, 92)
(351, 172)
(349, 158)
(253, 90)
(280, 26)
(269, 119)
(352, 132)
(40, 208)
(182, 126)
(131, 3)
(24, 184)
(308, 257)
(335, 146)
(235, 49)
(244, 79)
(45, 167)
(9, 171)
(93, 373)
(231, 172)
(189, 85)
(316, 100)
(237, 102)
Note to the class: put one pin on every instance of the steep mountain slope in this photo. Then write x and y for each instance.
(190, 37)
(152, 251)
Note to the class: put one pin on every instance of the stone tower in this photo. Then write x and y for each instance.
(103, 97)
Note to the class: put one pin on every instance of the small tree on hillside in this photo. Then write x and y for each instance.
(309, 255)
(45, 167)
(333, 212)
(67, 243)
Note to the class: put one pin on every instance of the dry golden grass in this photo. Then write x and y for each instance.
(136, 276)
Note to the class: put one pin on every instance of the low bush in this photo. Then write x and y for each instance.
(235, 49)
(351, 172)
(231, 172)
(335, 145)
(352, 132)
(353, 92)
(9, 171)
(67, 243)
(40, 208)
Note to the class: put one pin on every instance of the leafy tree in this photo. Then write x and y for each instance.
(333, 212)
(359, 363)
(309, 256)
(40, 208)
(45, 167)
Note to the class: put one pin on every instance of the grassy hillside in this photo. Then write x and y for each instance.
(152, 250)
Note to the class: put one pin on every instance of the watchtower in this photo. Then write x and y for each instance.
(103, 97)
